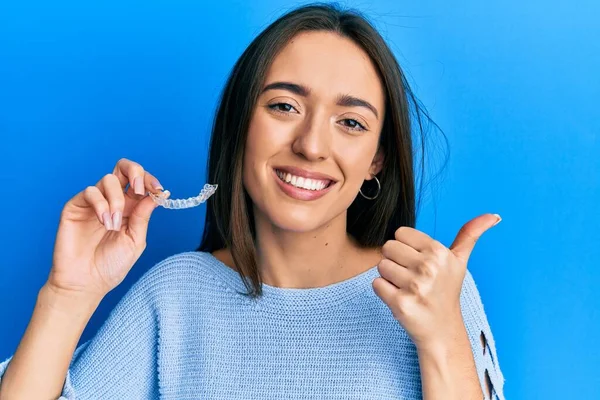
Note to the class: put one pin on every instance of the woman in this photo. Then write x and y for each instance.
(310, 282)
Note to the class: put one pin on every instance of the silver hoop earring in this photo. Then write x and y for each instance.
(376, 194)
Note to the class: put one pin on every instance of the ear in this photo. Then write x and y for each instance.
(376, 165)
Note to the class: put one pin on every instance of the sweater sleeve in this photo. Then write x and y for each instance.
(120, 360)
(478, 329)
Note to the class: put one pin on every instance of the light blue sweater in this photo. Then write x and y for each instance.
(183, 332)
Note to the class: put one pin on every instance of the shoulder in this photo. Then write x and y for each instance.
(176, 273)
(183, 284)
(481, 337)
(472, 304)
(181, 263)
(469, 291)
(470, 297)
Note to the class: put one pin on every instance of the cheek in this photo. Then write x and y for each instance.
(266, 137)
(354, 160)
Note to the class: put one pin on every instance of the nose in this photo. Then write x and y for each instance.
(313, 139)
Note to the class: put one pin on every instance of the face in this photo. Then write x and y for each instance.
(313, 137)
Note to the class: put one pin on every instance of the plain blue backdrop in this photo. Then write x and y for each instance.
(514, 85)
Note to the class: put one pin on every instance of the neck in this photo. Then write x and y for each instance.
(311, 259)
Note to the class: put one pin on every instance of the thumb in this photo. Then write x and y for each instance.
(469, 234)
(140, 217)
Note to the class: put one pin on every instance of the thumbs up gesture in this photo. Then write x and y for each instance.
(421, 280)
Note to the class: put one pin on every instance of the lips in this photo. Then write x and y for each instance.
(299, 172)
(302, 182)
(312, 188)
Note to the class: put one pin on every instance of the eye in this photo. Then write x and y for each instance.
(284, 108)
(353, 125)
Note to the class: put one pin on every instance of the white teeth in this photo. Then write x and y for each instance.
(301, 182)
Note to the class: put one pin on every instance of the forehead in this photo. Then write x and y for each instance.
(328, 64)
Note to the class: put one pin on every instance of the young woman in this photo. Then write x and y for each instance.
(310, 281)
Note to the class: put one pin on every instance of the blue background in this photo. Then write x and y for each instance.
(514, 86)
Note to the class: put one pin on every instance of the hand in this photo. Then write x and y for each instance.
(102, 231)
(421, 280)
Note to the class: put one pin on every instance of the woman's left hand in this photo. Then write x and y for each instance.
(421, 280)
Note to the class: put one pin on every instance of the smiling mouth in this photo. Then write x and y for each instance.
(303, 183)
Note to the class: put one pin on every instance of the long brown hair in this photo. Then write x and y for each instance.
(229, 216)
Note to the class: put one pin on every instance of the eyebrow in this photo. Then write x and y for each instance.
(351, 101)
(301, 90)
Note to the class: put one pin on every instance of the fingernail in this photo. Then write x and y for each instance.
(499, 219)
(116, 220)
(138, 184)
(107, 221)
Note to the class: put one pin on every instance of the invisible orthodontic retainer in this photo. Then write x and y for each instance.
(205, 193)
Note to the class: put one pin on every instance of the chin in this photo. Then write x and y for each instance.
(295, 220)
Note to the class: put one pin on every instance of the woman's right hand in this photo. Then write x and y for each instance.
(102, 231)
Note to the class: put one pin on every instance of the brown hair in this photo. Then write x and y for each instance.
(229, 217)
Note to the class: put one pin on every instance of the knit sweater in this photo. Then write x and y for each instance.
(184, 331)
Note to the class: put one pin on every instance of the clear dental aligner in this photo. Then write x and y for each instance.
(205, 193)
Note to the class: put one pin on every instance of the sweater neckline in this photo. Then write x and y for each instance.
(298, 300)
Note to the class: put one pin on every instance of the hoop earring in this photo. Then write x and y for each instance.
(376, 194)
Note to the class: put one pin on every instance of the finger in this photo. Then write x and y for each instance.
(401, 253)
(130, 173)
(395, 274)
(385, 290)
(94, 197)
(414, 238)
(152, 184)
(470, 233)
(110, 187)
(140, 218)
